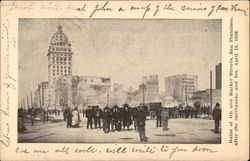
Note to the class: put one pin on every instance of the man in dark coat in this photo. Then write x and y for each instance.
(158, 117)
(97, 115)
(106, 117)
(217, 117)
(117, 118)
(133, 114)
(32, 116)
(126, 117)
(68, 117)
(21, 116)
(89, 115)
(141, 122)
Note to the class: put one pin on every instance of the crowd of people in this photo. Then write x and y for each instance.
(32, 113)
(110, 119)
(116, 118)
(186, 112)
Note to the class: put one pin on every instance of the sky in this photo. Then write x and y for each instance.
(122, 49)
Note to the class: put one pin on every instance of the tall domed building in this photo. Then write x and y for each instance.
(59, 69)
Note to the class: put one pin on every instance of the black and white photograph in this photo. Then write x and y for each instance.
(155, 81)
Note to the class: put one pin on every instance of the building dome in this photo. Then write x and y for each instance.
(59, 38)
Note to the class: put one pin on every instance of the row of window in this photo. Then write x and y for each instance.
(61, 67)
(65, 73)
(61, 62)
(61, 49)
(57, 55)
(61, 58)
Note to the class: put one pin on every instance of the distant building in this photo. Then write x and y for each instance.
(59, 69)
(152, 86)
(36, 99)
(148, 91)
(181, 87)
(43, 94)
(203, 97)
(218, 71)
(89, 90)
(118, 95)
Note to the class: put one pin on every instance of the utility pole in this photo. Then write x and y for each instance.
(23, 103)
(27, 101)
(143, 94)
(211, 92)
(39, 97)
(31, 102)
(108, 99)
(186, 94)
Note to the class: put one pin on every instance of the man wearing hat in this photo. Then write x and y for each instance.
(216, 117)
(141, 122)
(165, 117)
(89, 115)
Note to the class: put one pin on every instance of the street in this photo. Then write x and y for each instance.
(181, 131)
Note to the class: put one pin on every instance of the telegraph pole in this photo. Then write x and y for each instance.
(186, 94)
(143, 94)
(23, 103)
(211, 92)
(108, 99)
(27, 101)
(39, 96)
(31, 102)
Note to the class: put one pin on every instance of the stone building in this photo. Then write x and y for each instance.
(181, 87)
(152, 86)
(91, 90)
(43, 94)
(59, 69)
(203, 97)
(118, 96)
(148, 91)
(218, 71)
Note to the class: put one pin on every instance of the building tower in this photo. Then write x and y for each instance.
(218, 76)
(59, 67)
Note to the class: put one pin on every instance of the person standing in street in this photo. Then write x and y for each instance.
(158, 117)
(134, 113)
(117, 118)
(89, 115)
(127, 121)
(165, 117)
(96, 115)
(217, 117)
(141, 123)
(68, 117)
(106, 117)
(21, 116)
(75, 118)
(32, 115)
